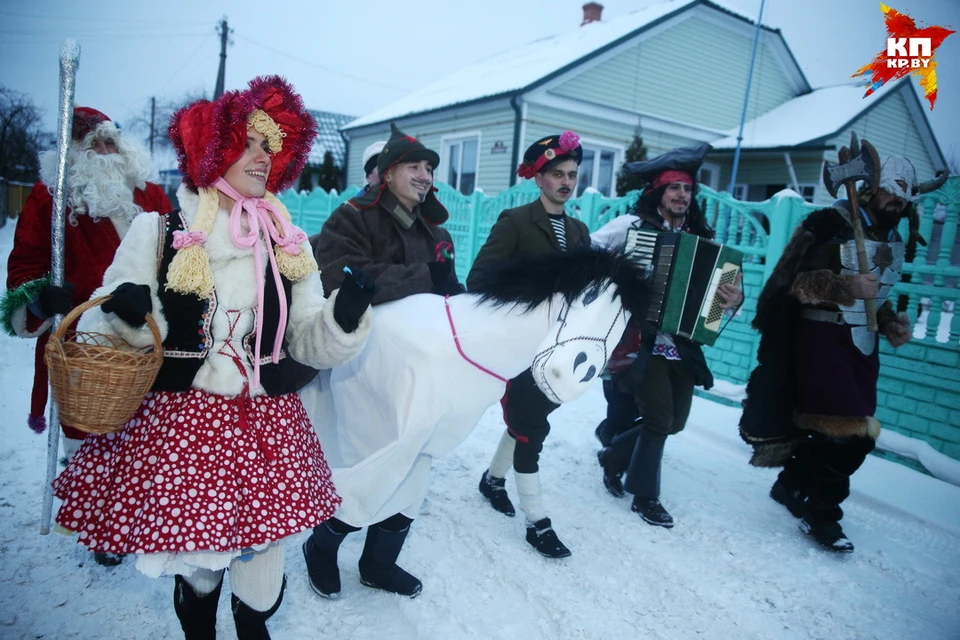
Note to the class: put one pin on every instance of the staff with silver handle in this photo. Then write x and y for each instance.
(69, 62)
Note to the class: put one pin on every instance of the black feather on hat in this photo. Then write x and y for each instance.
(685, 159)
(403, 148)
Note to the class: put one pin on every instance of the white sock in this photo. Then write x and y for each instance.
(257, 580)
(503, 457)
(203, 581)
(531, 498)
(70, 446)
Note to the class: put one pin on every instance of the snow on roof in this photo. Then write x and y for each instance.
(812, 116)
(523, 66)
(328, 136)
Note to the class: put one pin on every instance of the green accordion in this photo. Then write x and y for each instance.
(686, 271)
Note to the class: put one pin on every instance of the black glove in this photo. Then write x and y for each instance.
(439, 272)
(131, 303)
(53, 299)
(355, 295)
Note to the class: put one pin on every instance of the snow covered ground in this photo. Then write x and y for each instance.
(734, 567)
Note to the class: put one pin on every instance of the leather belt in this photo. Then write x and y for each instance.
(823, 315)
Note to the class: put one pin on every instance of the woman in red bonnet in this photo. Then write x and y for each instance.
(220, 464)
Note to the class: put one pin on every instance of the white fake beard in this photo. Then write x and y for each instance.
(100, 187)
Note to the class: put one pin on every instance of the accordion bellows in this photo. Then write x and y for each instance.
(686, 271)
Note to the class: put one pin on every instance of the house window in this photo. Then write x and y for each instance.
(462, 171)
(596, 170)
(740, 192)
(808, 191)
(709, 175)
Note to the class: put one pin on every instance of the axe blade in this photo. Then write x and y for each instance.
(835, 175)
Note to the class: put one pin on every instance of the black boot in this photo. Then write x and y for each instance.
(494, 490)
(107, 559)
(611, 473)
(652, 512)
(252, 624)
(197, 614)
(378, 563)
(793, 500)
(544, 539)
(828, 535)
(643, 480)
(320, 554)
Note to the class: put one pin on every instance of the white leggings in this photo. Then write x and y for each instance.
(256, 581)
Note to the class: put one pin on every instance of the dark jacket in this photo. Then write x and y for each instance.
(525, 232)
(691, 353)
(388, 242)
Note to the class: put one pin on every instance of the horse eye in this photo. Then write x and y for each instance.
(591, 295)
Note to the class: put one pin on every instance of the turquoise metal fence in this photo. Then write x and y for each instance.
(919, 390)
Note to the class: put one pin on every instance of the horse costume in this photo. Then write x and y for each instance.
(384, 417)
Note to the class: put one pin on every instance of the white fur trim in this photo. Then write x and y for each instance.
(314, 337)
(136, 262)
(18, 321)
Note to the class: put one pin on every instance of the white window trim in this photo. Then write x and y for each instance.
(445, 142)
(812, 185)
(618, 154)
(715, 168)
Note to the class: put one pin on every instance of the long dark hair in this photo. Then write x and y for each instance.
(695, 221)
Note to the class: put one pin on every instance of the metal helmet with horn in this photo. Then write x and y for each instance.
(899, 177)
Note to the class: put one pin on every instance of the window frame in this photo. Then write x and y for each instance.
(598, 147)
(446, 159)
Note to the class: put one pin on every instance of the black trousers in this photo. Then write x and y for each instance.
(525, 410)
(820, 469)
(663, 399)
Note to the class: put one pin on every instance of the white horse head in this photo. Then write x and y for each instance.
(591, 295)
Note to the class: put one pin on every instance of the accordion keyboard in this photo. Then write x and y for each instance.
(726, 274)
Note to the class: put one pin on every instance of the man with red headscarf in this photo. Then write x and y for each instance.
(106, 187)
(659, 384)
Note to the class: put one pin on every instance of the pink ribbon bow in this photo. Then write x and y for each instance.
(184, 239)
(264, 220)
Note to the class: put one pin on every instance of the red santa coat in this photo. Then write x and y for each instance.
(89, 248)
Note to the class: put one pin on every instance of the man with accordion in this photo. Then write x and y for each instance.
(670, 362)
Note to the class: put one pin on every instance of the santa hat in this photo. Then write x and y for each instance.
(85, 121)
(211, 136)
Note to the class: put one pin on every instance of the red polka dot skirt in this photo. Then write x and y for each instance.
(195, 471)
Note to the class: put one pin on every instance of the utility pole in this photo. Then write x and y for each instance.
(153, 117)
(224, 32)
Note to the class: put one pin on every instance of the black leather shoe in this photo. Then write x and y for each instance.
(544, 539)
(611, 477)
(652, 512)
(494, 490)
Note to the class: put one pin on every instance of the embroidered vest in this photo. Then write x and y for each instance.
(188, 340)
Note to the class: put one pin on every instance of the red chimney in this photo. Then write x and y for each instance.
(591, 12)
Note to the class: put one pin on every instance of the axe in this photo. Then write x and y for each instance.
(859, 162)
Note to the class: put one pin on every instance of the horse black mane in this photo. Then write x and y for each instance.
(530, 282)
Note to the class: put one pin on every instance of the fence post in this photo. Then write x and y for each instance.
(4, 201)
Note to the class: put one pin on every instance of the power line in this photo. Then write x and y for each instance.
(184, 66)
(321, 67)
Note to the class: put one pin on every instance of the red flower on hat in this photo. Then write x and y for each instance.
(569, 141)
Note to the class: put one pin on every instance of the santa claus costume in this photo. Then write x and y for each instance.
(104, 192)
(220, 463)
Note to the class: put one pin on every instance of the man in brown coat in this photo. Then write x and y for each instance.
(536, 229)
(392, 232)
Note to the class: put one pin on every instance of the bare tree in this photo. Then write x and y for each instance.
(162, 111)
(21, 136)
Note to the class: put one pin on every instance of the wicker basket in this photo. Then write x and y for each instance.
(99, 380)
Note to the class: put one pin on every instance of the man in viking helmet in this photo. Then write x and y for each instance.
(811, 401)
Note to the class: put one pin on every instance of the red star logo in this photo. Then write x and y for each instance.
(900, 26)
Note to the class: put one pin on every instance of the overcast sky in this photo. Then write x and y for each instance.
(353, 57)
